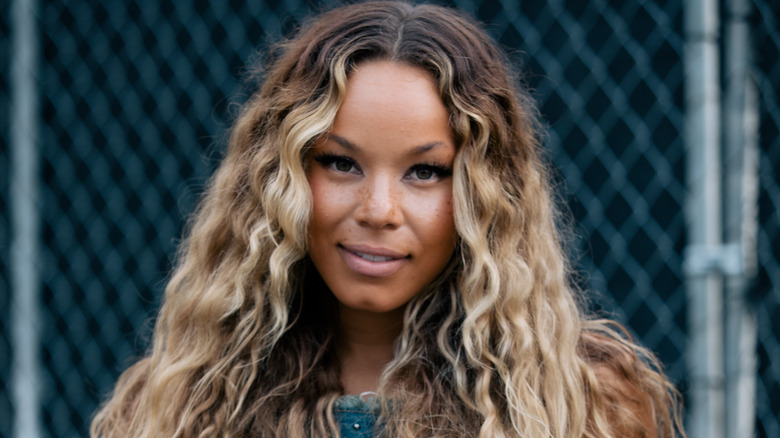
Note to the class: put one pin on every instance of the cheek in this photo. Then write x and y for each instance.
(437, 223)
(319, 215)
(329, 202)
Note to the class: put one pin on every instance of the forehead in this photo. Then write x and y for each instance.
(383, 74)
(392, 96)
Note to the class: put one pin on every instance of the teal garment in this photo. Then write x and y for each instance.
(356, 415)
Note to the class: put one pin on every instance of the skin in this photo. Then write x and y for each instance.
(382, 224)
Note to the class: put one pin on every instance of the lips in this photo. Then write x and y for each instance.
(372, 262)
(373, 258)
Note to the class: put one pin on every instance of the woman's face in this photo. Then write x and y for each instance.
(382, 225)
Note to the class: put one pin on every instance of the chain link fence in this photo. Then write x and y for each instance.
(135, 98)
(609, 83)
(766, 291)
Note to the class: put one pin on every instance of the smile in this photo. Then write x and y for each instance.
(373, 258)
(372, 262)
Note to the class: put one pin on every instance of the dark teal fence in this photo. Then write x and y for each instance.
(134, 98)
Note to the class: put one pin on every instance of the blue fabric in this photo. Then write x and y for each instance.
(356, 416)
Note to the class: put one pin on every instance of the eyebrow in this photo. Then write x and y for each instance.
(417, 150)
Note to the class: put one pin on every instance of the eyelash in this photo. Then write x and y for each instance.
(328, 160)
(439, 170)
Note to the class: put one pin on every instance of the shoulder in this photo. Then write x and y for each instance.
(625, 386)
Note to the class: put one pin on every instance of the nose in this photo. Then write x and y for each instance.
(379, 204)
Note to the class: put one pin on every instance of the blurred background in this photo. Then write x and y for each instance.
(663, 124)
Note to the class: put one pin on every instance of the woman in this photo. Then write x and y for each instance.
(383, 225)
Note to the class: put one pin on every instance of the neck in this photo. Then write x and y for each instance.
(365, 346)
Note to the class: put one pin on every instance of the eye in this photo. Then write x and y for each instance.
(429, 172)
(338, 163)
(423, 173)
(342, 165)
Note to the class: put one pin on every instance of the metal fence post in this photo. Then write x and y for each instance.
(25, 379)
(741, 221)
(705, 255)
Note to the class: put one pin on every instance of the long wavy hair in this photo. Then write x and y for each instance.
(497, 346)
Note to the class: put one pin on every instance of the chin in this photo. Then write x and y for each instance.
(370, 305)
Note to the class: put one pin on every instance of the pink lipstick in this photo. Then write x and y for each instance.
(372, 262)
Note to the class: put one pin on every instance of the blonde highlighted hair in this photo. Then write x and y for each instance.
(496, 346)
